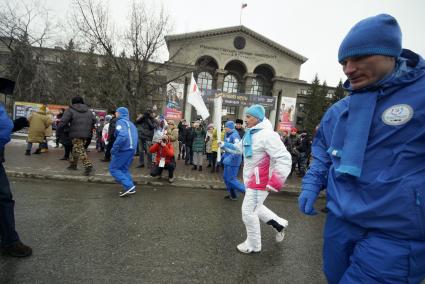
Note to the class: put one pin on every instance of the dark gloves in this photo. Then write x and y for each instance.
(306, 201)
(20, 123)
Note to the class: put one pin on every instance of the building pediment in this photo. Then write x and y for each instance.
(236, 30)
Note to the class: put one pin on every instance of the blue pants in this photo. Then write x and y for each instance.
(119, 168)
(352, 254)
(8, 235)
(230, 179)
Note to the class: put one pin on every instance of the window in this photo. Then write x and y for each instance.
(257, 87)
(303, 92)
(204, 81)
(231, 110)
(230, 84)
(329, 95)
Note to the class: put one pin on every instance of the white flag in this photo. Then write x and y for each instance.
(195, 98)
(218, 112)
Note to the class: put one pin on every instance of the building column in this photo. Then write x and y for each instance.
(248, 77)
(275, 93)
(220, 74)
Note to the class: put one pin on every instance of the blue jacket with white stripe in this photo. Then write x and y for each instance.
(126, 136)
(389, 196)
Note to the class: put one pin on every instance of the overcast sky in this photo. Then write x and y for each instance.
(312, 28)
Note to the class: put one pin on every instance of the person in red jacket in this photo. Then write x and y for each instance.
(164, 158)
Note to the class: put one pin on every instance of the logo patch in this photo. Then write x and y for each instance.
(397, 114)
(119, 127)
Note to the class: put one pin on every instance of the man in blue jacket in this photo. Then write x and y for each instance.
(123, 151)
(232, 163)
(10, 244)
(369, 154)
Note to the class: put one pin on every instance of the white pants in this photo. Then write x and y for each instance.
(253, 211)
(198, 158)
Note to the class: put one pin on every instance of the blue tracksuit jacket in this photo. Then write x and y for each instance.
(389, 196)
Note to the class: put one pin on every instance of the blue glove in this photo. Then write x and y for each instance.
(306, 201)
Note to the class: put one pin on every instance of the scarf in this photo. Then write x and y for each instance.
(351, 133)
(247, 142)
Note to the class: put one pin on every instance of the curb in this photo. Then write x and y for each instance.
(144, 180)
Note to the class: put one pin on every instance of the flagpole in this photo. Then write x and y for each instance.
(240, 17)
(243, 5)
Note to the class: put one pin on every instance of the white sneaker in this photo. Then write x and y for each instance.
(243, 248)
(281, 235)
(128, 191)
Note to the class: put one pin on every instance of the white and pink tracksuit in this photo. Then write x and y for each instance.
(265, 170)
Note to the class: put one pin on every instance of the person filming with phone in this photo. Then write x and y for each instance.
(164, 158)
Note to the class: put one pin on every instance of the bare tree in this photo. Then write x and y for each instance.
(140, 48)
(23, 26)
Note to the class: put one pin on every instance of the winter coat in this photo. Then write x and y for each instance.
(292, 145)
(188, 136)
(182, 129)
(80, 119)
(304, 144)
(208, 142)
(166, 152)
(228, 158)
(126, 137)
(63, 135)
(146, 127)
(389, 195)
(111, 130)
(241, 132)
(49, 130)
(270, 162)
(39, 122)
(214, 144)
(105, 134)
(6, 126)
(173, 136)
(198, 142)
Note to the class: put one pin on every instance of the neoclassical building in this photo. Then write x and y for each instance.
(246, 66)
(242, 65)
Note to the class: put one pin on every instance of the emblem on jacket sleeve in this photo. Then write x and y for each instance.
(397, 114)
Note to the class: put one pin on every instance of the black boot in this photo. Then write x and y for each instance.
(194, 168)
(72, 167)
(27, 153)
(17, 250)
(88, 170)
(38, 151)
(200, 168)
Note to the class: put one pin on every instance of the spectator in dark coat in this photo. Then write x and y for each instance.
(304, 150)
(239, 127)
(81, 122)
(145, 125)
(62, 135)
(188, 139)
(111, 137)
(182, 131)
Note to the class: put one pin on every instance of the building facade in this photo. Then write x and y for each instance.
(236, 62)
(243, 65)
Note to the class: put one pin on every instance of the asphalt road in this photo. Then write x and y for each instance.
(85, 233)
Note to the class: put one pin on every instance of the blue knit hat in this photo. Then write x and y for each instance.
(123, 112)
(257, 111)
(378, 35)
(230, 124)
